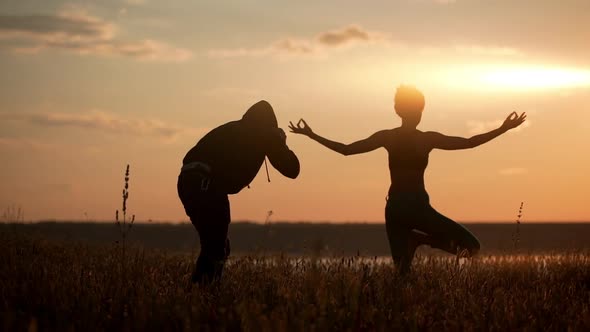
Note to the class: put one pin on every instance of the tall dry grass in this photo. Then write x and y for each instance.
(64, 286)
(13, 214)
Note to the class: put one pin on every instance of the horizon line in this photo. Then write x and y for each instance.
(325, 222)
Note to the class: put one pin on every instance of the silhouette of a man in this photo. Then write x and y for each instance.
(224, 162)
(409, 218)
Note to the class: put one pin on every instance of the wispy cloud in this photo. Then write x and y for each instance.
(106, 122)
(513, 171)
(349, 34)
(353, 35)
(79, 32)
(345, 36)
(19, 143)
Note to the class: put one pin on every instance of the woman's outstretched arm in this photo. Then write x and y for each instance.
(369, 144)
(440, 141)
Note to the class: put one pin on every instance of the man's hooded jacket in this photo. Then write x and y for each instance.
(236, 150)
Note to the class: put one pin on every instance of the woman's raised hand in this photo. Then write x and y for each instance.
(513, 120)
(301, 128)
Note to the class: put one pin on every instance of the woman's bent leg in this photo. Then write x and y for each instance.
(447, 234)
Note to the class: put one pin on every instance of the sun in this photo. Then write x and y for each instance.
(536, 78)
(514, 77)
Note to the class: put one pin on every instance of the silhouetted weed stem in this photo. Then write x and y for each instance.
(516, 235)
(125, 226)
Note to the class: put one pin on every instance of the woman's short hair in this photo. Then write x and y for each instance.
(408, 100)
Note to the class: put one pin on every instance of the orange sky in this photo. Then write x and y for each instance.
(88, 87)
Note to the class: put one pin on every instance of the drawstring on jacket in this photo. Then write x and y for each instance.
(267, 174)
(266, 166)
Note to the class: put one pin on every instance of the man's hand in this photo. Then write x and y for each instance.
(513, 120)
(301, 128)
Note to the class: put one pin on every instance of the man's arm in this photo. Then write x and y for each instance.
(366, 145)
(440, 141)
(281, 157)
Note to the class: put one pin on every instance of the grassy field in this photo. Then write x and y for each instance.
(53, 285)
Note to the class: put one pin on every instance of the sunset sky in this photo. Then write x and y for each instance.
(90, 86)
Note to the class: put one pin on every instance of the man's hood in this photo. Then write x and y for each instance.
(261, 115)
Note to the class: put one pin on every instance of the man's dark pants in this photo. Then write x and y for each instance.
(209, 212)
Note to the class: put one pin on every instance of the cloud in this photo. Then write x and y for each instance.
(345, 36)
(71, 25)
(349, 36)
(513, 171)
(293, 46)
(78, 32)
(18, 143)
(106, 122)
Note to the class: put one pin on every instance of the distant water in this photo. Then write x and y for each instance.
(539, 260)
(366, 240)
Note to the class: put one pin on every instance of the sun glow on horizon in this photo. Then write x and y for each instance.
(537, 78)
(498, 77)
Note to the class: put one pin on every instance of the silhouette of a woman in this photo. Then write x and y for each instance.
(410, 220)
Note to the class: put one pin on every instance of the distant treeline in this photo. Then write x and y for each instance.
(308, 238)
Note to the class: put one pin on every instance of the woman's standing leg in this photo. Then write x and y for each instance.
(403, 240)
(398, 244)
